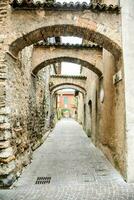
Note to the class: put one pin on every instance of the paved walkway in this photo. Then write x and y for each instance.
(78, 170)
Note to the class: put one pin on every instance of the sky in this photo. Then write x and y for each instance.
(70, 68)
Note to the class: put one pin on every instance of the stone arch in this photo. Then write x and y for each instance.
(68, 86)
(90, 26)
(59, 80)
(45, 55)
(68, 59)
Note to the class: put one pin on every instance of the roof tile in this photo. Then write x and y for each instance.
(30, 4)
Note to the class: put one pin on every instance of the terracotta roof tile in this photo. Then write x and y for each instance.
(69, 76)
(30, 4)
(67, 45)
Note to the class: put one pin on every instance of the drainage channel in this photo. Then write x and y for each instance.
(43, 180)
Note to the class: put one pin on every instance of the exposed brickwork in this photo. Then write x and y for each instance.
(7, 164)
(3, 11)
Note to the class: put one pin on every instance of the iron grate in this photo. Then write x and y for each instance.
(43, 180)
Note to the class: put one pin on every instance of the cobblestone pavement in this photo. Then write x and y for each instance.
(78, 170)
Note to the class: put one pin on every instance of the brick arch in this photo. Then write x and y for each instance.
(68, 86)
(63, 24)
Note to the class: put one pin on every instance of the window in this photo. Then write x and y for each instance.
(65, 100)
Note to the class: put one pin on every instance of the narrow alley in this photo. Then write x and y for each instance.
(66, 100)
(78, 170)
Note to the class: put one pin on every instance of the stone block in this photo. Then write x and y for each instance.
(3, 119)
(5, 111)
(5, 135)
(5, 126)
(5, 169)
(4, 144)
(6, 152)
(7, 181)
(7, 160)
(2, 37)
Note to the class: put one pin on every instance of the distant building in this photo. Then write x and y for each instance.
(67, 103)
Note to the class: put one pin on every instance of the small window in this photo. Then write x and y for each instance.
(66, 100)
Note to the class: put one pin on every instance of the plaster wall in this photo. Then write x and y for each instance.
(128, 59)
(91, 88)
(105, 124)
(80, 109)
(113, 2)
(112, 114)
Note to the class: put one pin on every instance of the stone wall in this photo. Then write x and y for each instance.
(47, 101)
(26, 117)
(7, 163)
